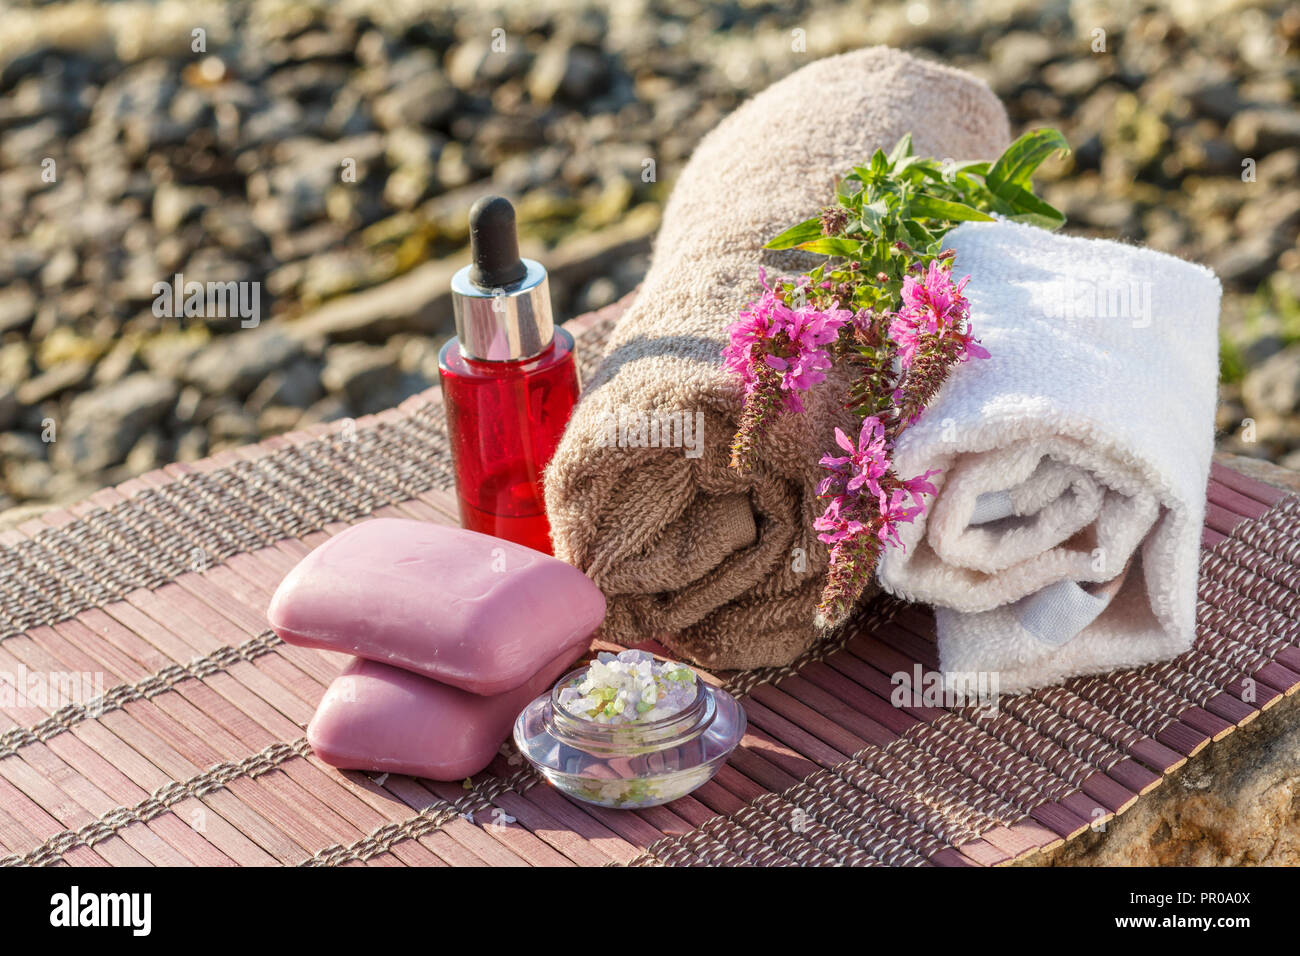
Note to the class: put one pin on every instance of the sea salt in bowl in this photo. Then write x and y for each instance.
(614, 756)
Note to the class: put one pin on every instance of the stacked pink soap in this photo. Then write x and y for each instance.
(453, 633)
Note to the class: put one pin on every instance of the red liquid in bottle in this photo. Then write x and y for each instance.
(504, 420)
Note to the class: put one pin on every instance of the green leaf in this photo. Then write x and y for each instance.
(930, 170)
(879, 162)
(975, 192)
(976, 167)
(920, 236)
(929, 207)
(902, 150)
(1026, 207)
(873, 215)
(797, 235)
(1017, 164)
(830, 246)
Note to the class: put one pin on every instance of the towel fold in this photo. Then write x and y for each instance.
(725, 567)
(1065, 535)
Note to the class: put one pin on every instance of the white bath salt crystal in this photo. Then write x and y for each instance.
(630, 687)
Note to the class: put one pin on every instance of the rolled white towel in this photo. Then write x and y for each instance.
(1064, 538)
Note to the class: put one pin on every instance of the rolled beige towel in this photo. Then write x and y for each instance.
(725, 567)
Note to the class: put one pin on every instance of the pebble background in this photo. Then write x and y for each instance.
(332, 150)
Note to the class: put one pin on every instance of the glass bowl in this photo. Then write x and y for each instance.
(629, 765)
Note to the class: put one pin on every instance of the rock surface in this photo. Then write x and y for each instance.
(1236, 803)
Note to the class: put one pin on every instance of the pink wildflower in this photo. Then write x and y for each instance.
(932, 305)
(835, 525)
(920, 485)
(790, 341)
(864, 465)
(802, 358)
(755, 326)
(894, 510)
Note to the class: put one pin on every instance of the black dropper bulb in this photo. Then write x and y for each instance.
(493, 244)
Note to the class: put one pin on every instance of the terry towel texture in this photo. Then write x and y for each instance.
(725, 567)
(1065, 535)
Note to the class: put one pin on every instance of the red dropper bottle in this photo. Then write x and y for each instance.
(509, 382)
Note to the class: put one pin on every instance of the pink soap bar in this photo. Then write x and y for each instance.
(384, 719)
(467, 609)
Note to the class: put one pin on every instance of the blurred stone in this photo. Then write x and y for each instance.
(279, 119)
(1259, 131)
(232, 426)
(1274, 387)
(525, 171)
(1016, 56)
(145, 455)
(170, 354)
(297, 386)
(103, 425)
(17, 307)
(192, 445)
(331, 408)
(360, 372)
(233, 227)
(1074, 77)
(60, 269)
(15, 363)
(1282, 167)
(235, 364)
(413, 147)
(1260, 341)
(28, 145)
(278, 419)
(28, 479)
(18, 262)
(59, 379)
(15, 446)
(422, 97)
(1248, 260)
(174, 205)
(188, 405)
(475, 62)
(455, 166)
(8, 408)
(573, 73)
(596, 294)
(1275, 216)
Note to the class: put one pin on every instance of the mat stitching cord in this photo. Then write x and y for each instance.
(428, 820)
(160, 801)
(65, 718)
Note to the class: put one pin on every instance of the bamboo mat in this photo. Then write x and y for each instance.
(195, 754)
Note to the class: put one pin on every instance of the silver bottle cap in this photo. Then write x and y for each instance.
(506, 323)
